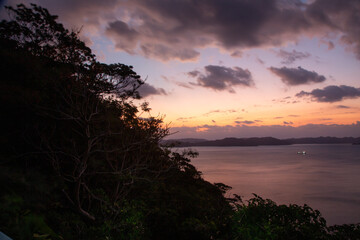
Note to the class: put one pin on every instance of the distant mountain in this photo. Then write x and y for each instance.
(190, 142)
(244, 142)
(183, 142)
(321, 140)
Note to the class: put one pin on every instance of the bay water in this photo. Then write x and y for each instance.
(327, 177)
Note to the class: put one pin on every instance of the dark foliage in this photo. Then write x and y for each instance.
(263, 219)
(260, 218)
(77, 161)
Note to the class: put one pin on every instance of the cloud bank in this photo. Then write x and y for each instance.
(212, 132)
(177, 29)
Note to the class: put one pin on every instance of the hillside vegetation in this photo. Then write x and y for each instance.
(78, 162)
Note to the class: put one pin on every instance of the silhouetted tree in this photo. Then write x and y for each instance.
(88, 128)
(71, 131)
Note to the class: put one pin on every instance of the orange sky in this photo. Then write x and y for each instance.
(232, 67)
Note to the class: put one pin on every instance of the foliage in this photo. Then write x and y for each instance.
(264, 219)
(22, 217)
(260, 218)
(76, 152)
(345, 231)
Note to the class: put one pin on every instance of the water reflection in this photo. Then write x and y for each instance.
(326, 178)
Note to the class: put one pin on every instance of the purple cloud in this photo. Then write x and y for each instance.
(290, 57)
(340, 16)
(146, 90)
(297, 76)
(342, 107)
(245, 122)
(126, 37)
(168, 30)
(221, 78)
(331, 93)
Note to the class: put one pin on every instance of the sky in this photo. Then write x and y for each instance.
(232, 68)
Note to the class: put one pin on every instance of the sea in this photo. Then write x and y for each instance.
(324, 176)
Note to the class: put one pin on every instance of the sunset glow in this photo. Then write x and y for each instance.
(233, 68)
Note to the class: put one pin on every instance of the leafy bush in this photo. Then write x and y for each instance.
(260, 218)
(263, 219)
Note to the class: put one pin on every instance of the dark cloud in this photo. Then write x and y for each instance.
(287, 123)
(194, 73)
(297, 76)
(340, 16)
(290, 57)
(223, 78)
(342, 106)
(147, 90)
(168, 52)
(331, 93)
(242, 24)
(245, 122)
(127, 36)
(237, 53)
(167, 27)
(76, 14)
(169, 30)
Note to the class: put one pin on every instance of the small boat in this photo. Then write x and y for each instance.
(302, 152)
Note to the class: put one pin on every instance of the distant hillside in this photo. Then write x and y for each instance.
(189, 142)
(321, 140)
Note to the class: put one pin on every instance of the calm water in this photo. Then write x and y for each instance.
(327, 178)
